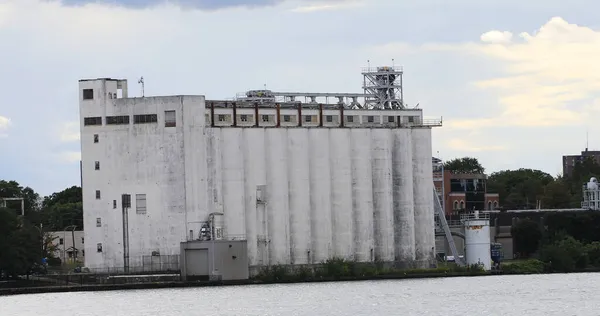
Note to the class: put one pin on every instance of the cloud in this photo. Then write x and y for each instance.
(69, 132)
(548, 78)
(5, 123)
(467, 145)
(331, 5)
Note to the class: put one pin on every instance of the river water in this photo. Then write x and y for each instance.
(557, 294)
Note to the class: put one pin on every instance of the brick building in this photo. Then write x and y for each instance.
(570, 161)
(462, 191)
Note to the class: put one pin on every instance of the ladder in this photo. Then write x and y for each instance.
(441, 221)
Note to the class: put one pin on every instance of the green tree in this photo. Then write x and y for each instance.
(557, 194)
(527, 235)
(519, 189)
(464, 165)
(20, 244)
(66, 196)
(12, 189)
(63, 209)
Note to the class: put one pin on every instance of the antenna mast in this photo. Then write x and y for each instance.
(141, 81)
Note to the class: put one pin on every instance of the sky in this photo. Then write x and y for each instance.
(517, 83)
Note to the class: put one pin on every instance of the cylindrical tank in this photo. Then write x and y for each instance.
(278, 196)
(477, 242)
(341, 193)
(362, 195)
(320, 194)
(422, 174)
(299, 193)
(233, 183)
(217, 224)
(404, 208)
(383, 212)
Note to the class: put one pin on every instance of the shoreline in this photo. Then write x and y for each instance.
(182, 284)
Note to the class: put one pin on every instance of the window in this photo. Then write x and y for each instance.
(61, 241)
(462, 205)
(221, 117)
(370, 119)
(286, 118)
(82, 240)
(145, 118)
(244, 118)
(83, 252)
(495, 204)
(390, 119)
(117, 120)
(87, 121)
(489, 205)
(265, 118)
(98, 222)
(88, 94)
(411, 119)
(329, 118)
(140, 203)
(170, 119)
(97, 165)
(308, 118)
(350, 119)
(97, 194)
(114, 203)
(99, 247)
(455, 205)
(126, 201)
(96, 138)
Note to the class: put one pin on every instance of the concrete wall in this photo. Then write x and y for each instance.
(356, 193)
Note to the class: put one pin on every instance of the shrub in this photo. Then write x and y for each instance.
(531, 266)
(593, 253)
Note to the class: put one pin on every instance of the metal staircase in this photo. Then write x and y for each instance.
(440, 222)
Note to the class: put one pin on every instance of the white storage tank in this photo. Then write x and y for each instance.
(477, 240)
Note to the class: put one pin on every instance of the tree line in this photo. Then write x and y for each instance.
(24, 241)
(530, 188)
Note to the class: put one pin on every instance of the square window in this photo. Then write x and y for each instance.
(170, 119)
(390, 119)
(411, 119)
(350, 119)
(98, 222)
(97, 194)
(244, 118)
(308, 118)
(99, 247)
(265, 118)
(96, 138)
(140, 203)
(329, 118)
(221, 117)
(97, 165)
(88, 94)
(286, 118)
(370, 119)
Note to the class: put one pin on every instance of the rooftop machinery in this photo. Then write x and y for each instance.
(591, 195)
(382, 88)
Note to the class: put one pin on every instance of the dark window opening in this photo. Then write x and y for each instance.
(96, 138)
(92, 121)
(244, 118)
(411, 119)
(221, 117)
(170, 119)
(97, 194)
(265, 118)
(117, 120)
(97, 165)
(99, 247)
(145, 118)
(82, 240)
(287, 118)
(308, 118)
(114, 203)
(370, 119)
(350, 119)
(61, 241)
(98, 222)
(88, 94)
(329, 118)
(390, 119)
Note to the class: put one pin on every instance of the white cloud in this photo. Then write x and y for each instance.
(331, 5)
(548, 77)
(468, 146)
(5, 123)
(69, 132)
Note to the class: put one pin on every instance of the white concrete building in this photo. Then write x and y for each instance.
(69, 245)
(302, 182)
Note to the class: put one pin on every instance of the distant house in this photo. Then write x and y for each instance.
(69, 245)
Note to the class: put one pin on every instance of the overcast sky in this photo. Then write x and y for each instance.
(516, 82)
